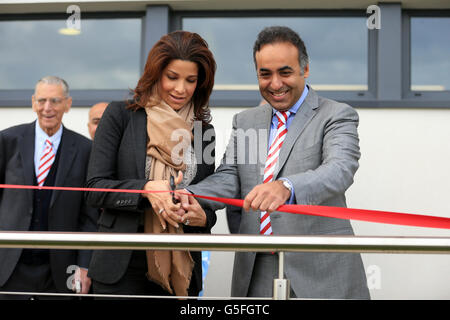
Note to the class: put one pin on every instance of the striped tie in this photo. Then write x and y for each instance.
(45, 163)
(269, 169)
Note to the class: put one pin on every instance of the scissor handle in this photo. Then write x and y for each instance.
(172, 187)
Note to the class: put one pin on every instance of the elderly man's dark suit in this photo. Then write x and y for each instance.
(67, 210)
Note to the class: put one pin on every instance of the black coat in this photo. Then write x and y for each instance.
(67, 212)
(118, 162)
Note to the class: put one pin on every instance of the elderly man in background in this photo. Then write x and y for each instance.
(44, 153)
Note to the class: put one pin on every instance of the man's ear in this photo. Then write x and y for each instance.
(33, 103)
(68, 104)
(306, 71)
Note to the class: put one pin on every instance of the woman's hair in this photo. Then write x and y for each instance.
(178, 45)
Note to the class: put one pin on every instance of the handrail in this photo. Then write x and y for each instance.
(221, 242)
(224, 242)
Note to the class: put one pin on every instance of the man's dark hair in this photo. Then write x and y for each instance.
(277, 34)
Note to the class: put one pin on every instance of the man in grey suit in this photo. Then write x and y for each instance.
(315, 166)
(25, 160)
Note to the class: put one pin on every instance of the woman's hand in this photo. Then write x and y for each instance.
(195, 215)
(162, 203)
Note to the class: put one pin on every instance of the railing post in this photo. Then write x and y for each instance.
(281, 286)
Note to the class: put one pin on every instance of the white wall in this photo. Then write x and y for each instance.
(403, 168)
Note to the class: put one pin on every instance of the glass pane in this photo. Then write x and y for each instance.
(337, 48)
(430, 52)
(105, 55)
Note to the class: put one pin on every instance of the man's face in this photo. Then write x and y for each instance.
(50, 104)
(95, 114)
(281, 80)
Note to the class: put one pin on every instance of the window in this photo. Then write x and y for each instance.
(337, 48)
(430, 52)
(105, 55)
(402, 64)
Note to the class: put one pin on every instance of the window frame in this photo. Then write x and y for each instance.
(80, 97)
(388, 80)
(248, 98)
(435, 98)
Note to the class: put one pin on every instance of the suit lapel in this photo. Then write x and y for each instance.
(305, 113)
(67, 150)
(262, 123)
(26, 149)
(138, 122)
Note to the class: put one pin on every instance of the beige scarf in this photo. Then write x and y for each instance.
(172, 270)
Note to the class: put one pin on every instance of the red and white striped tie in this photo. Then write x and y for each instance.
(269, 169)
(45, 163)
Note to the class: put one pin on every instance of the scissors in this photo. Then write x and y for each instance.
(172, 187)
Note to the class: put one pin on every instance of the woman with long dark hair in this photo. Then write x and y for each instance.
(140, 144)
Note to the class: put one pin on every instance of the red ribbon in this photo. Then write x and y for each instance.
(386, 217)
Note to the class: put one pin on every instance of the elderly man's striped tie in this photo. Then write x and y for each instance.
(269, 169)
(45, 162)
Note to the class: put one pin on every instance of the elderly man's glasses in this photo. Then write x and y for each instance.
(52, 101)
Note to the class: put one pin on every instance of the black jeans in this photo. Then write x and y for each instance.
(30, 278)
(134, 281)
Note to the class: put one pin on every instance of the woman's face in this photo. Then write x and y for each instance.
(178, 83)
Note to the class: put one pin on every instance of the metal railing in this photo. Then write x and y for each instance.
(216, 242)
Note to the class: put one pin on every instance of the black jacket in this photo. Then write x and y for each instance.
(118, 162)
(67, 210)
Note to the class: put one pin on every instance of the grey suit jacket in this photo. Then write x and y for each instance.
(68, 211)
(320, 157)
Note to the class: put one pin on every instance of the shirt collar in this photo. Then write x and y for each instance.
(41, 136)
(297, 105)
